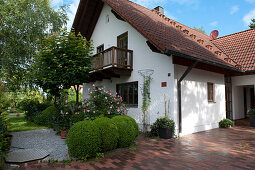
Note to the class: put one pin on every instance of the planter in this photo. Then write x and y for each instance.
(63, 134)
(252, 120)
(165, 133)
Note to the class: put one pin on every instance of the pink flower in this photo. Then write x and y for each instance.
(93, 85)
(88, 89)
(99, 89)
(88, 111)
(106, 98)
(95, 96)
(67, 113)
(109, 113)
(111, 107)
(118, 110)
(79, 107)
(90, 92)
(118, 103)
(84, 110)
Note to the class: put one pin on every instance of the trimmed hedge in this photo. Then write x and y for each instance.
(127, 130)
(84, 140)
(109, 133)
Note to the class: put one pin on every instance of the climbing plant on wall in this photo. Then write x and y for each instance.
(146, 95)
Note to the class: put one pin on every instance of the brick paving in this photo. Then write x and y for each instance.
(232, 148)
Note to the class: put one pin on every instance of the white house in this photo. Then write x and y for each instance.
(196, 81)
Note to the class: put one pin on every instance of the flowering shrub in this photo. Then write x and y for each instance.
(100, 102)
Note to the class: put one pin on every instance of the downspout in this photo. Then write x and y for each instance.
(192, 65)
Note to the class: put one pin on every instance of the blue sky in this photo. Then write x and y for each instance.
(227, 16)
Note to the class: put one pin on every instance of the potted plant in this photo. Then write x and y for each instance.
(166, 127)
(251, 115)
(64, 126)
(226, 123)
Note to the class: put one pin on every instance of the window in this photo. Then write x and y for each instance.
(129, 93)
(210, 89)
(100, 49)
(122, 41)
(107, 18)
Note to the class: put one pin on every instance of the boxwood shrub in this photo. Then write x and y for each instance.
(46, 117)
(84, 140)
(109, 133)
(127, 130)
(225, 123)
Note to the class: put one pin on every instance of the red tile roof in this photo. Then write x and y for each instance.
(240, 47)
(168, 34)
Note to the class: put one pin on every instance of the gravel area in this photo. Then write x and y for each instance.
(45, 139)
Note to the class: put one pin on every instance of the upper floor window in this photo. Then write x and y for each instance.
(210, 91)
(129, 93)
(122, 41)
(100, 49)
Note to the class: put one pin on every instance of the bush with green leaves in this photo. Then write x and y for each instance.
(225, 123)
(46, 117)
(251, 112)
(84, 140)
(164, 122)
(32, 108)
(103, 102)
(4, 144)
(127, 130)
(109, 133)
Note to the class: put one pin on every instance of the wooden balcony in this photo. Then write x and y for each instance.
(113, 62)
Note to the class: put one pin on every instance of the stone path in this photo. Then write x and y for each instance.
(44, 139)
(232, 148)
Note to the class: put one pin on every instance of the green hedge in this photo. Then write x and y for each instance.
(127, 130)
(46, 117)
(84, 140)
(87, 138)
(109, 133)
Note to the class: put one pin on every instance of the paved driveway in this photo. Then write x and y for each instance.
(232, 148)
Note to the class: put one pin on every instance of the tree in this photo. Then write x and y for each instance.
(201, 29)
(252, 24)
(64, 60)
(23, 24)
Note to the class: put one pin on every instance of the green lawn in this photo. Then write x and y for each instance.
(17, 124)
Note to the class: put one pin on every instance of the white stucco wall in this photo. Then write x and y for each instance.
(144, 58)
(243, 80)
(197, 113)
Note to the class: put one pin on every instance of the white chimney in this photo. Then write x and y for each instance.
(160, 9)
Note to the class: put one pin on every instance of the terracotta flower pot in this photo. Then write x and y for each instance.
(63, 134)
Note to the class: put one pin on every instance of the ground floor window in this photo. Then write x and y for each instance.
(129, 93)
(210, 90)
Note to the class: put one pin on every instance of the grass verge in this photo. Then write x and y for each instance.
(17, 124)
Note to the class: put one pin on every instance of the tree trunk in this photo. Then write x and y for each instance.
(76, 87)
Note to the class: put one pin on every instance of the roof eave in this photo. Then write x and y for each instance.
(172, 52)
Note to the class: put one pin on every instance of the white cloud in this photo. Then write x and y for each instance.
(150, 4)
(185, 2)
(214, 23)
(71, 13)
(250, 1)
(247, 18)
(234, 9)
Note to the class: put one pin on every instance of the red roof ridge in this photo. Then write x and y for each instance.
(233, 34)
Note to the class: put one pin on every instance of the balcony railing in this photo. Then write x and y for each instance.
(113, 57)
